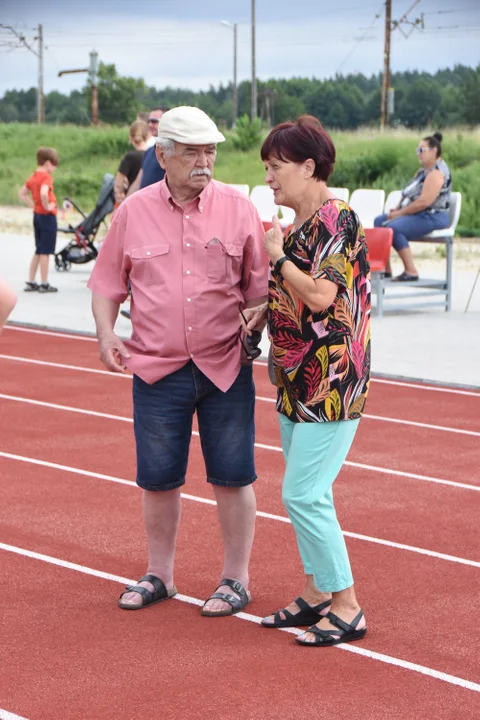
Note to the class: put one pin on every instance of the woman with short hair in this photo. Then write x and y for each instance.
(423, 206)
(132, 161)
(318, 323)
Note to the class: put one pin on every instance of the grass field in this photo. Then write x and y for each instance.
(364, 159)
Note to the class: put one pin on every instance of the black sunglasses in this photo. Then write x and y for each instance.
(251, 350)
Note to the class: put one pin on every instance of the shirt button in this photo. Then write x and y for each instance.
(189, 299)
(200, 208)
(187, 217)
(189, 328)
(149, 253)
(188, 244)
(188, 272)
(191, 355)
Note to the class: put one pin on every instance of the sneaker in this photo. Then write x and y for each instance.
(46, 288)
(31, 287)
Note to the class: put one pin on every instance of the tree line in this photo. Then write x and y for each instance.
(447, 97)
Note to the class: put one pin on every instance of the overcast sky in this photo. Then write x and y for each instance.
(182, 43)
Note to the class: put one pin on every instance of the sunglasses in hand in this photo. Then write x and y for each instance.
(252, 351)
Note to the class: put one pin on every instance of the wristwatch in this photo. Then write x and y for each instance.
(278, 265)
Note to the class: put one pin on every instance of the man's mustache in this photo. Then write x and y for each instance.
(200, 171)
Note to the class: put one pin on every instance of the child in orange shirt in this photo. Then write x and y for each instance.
(38, 194)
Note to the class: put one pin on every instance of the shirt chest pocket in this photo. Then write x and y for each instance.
(224, 262)
(150, 264)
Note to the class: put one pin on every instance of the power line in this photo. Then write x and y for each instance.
(361, 38)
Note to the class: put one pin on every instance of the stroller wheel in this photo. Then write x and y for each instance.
(62, 265)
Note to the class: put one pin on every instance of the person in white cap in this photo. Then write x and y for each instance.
(191, 250)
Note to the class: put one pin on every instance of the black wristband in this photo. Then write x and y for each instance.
(278, 265)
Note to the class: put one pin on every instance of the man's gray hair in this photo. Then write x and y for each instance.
(166, 145)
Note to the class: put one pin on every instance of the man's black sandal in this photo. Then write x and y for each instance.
(345, 632)
(236, 603)
(148, 598)
(308, 615)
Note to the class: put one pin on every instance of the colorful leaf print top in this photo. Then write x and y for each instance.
(321, 360)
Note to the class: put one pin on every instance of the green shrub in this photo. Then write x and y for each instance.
(247, 133)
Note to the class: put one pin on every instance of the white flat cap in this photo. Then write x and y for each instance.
(188, 125)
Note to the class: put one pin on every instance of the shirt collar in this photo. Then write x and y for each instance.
(201, 201)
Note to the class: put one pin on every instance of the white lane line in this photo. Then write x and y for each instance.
(388, 659)
(442, 428)
(416, 386)
(50, 333)
(262, 399)
(260, 513)
(383, 381)
(262, 446)
(62, 366)
(5, 715)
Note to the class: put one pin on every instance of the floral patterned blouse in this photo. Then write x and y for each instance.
(321, 360)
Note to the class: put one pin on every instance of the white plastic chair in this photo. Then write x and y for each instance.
(288, 216)
(244, 189)
(367, 204)
(340, 193)
(262, 197)
(392, 200)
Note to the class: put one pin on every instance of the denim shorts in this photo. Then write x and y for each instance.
(45, 229)
(163, 413)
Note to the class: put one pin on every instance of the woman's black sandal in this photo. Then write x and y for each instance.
(148, 597)
(346, 632)
(308, 615)
(237, 602)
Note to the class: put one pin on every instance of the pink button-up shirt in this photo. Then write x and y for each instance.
(189, 270)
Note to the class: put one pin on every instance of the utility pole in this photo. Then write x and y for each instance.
(386, 64)
(233, 26)
(92, 72)
(253, 109)
(235, 86)
(40, 94)
(386, 106)
(39, 54)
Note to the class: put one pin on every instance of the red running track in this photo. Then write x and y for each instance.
(73, 654)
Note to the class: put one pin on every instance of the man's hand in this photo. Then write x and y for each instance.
(51, 207)
(112, 350)
(273, 241)
(256, 318)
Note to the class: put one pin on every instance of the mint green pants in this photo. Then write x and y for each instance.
(314, 454)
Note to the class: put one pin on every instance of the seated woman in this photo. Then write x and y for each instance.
(132, 161)
(423, 206)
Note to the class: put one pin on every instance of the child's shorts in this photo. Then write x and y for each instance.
(45, 228)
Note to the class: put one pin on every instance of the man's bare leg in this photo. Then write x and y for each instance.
(161, 514)
(236, 514)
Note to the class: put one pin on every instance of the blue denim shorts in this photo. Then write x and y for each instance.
(45, 229)
(163, 414)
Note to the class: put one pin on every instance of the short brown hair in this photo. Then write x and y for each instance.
(47, 153)
(143, 116)
(302, 140)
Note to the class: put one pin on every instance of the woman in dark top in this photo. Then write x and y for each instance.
(132, 161)
(423, 207)
(319, 327)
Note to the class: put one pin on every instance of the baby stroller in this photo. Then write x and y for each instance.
(81, 249)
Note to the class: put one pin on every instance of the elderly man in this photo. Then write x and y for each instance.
(191, 249)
